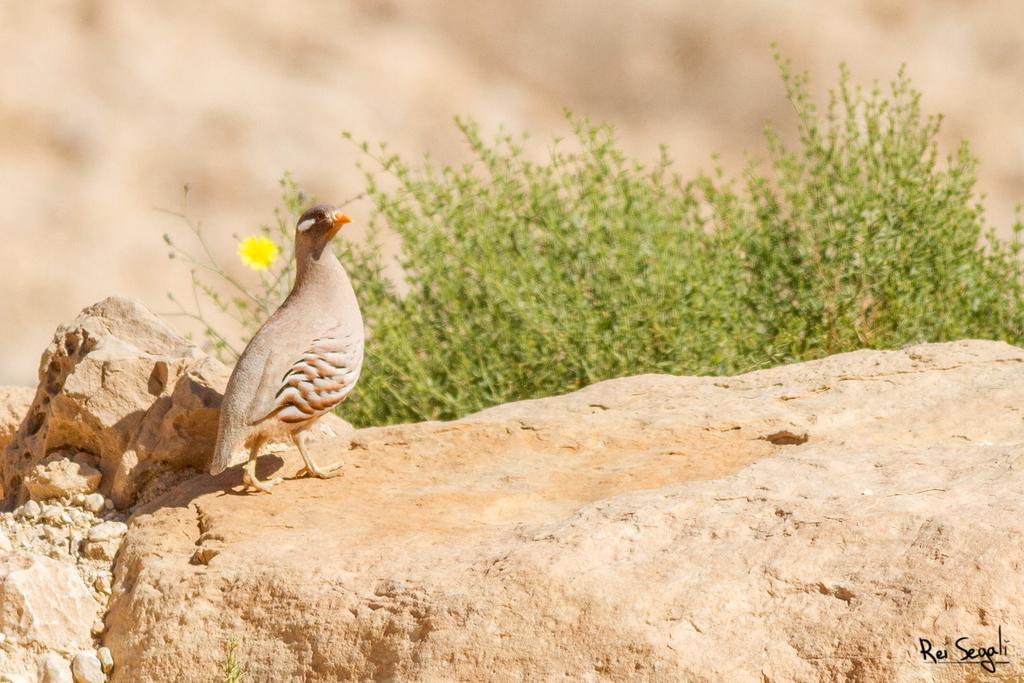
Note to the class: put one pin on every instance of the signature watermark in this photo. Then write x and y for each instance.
(964, 652)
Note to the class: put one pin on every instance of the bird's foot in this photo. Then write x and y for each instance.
(312, 470)
(251, 481)
(263, 486)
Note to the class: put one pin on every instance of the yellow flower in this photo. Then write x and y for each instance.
(257, 252)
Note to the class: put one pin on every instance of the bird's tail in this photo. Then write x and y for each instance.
(228, 442)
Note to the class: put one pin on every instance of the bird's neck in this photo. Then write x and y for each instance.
(315, 265)
(321, 278)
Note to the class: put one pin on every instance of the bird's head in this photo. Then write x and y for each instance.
(319, 224)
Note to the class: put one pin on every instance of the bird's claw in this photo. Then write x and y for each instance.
(251, 481)
(311, 470)
(263, 486)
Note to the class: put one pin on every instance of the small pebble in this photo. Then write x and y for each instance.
(80, 517)
(867, 492)
(98, 627)
(53, 669)
(78, 499)
(102, 584)
(31, 510)
(94, 503)
(54, 516)
(106, 659)
(86, 668)
(108, 504)
(102, 550)
(104, 531)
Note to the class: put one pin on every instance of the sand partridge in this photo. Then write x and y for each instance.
(303, 361)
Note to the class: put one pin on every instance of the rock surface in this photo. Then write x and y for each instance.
(805, 523)
(14, 403)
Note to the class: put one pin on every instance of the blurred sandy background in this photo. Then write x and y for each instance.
(107, 108)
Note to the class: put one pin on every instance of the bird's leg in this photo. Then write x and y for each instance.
(311, 468)
(249, 471)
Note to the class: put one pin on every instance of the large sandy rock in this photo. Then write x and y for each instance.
(44, 602)
(120, 387)
(805, 523)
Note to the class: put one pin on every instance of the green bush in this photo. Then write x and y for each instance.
(527, 279)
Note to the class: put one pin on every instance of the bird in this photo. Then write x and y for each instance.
(302, 362)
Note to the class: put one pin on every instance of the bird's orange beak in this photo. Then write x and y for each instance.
(337, 222)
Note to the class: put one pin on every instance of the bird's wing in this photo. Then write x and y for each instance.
(317, 378)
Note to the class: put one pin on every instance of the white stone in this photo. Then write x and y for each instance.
(5, 542)
(30, 510)
(53, 669)
(105, 531)
(79, 517)
(53, 515)
(44, 601)
(86, 668)
(94, 503)
(106, 659)
(56, 535)
(62, 478)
